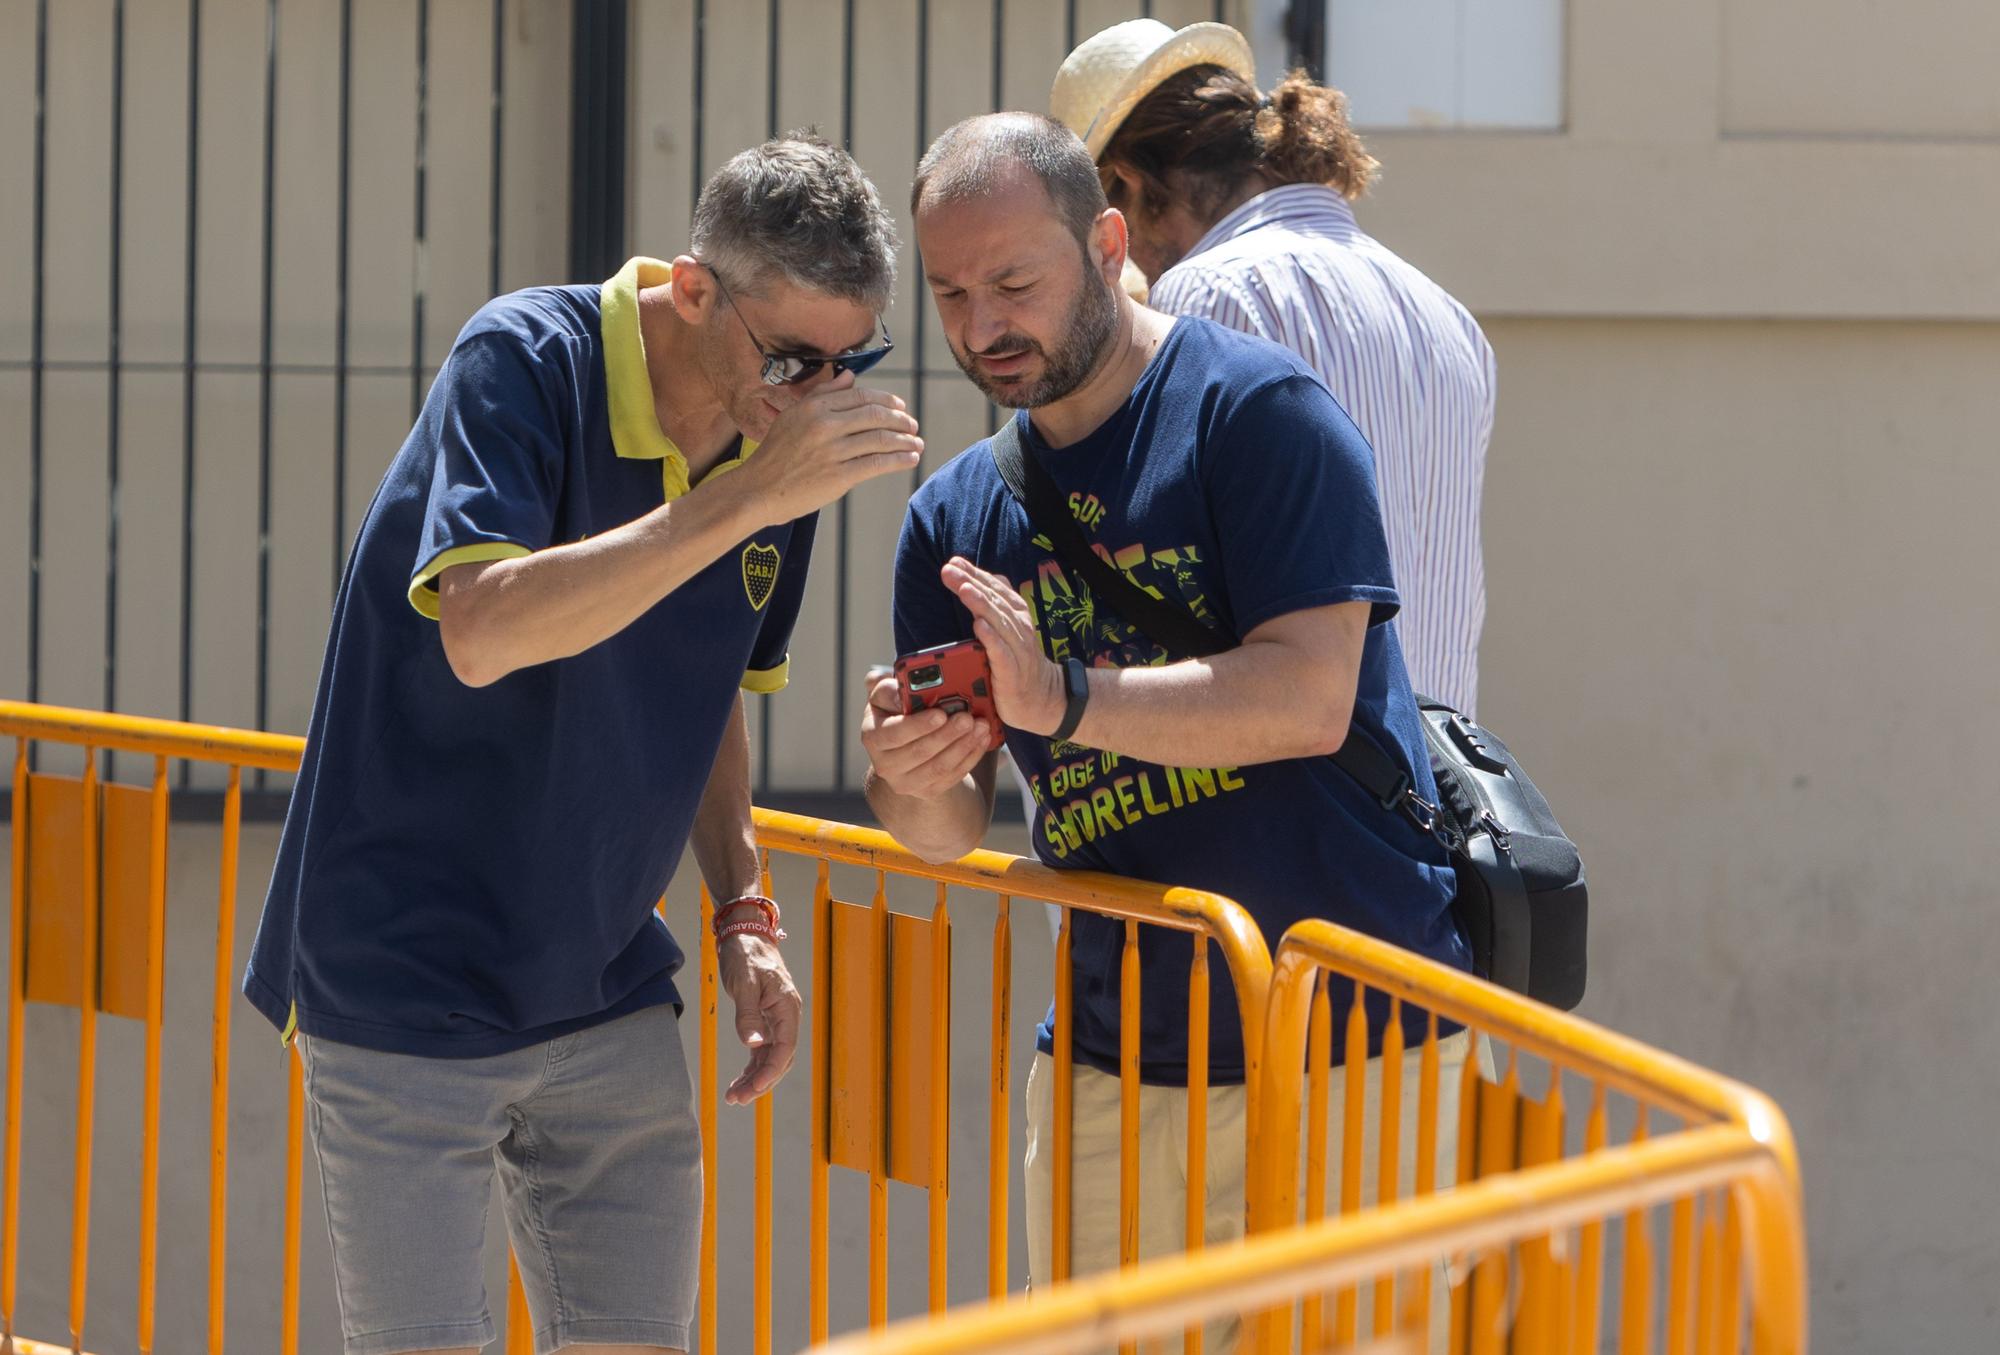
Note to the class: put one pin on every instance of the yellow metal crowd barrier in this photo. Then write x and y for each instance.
(88, 912)
(1518, 1237)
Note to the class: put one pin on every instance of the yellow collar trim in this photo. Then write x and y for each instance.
(635, 420)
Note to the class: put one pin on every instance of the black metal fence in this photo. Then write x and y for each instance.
(230, 203)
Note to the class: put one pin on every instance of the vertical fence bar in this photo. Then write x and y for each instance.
(86, 1060)
(760, 1298)
(1635, 1296)
(997, 1135)
(842, 515)
(496, 176)
(420, 249)
(1427, 1151)
(878, 1173)
(218, 1091)
(520, 1337)
(295, 1138)
(1729, 1306)
(1197, 1116)
(189, 348)
(343, 187)
(37, 353)
(940, 1089)
(710, 1212)
(156, 960)
(17, 977)
(264, 341)
(1353, 1127)
(114, 372)
(1063, 1104)
(1467, 1152)
(1388, 1164)
(1708, 1277)
(1128, 1107)
(1319, 1054)
(822, 1051)
(1590, 1243)
(1680, 1277)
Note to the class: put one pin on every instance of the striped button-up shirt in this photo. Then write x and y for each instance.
(1410, 367)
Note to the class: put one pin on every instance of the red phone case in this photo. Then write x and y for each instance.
(951, 678)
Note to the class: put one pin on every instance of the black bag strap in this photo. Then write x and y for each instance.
(1374, 769)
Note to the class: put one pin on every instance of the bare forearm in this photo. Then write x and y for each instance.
(1257, 703)
(511, 614)
(940, 827)
(724, 839)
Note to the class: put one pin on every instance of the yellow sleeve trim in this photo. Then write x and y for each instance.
(423, 588)
(764, 681)
(291, 1030)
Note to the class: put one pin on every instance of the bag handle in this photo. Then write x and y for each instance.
(1374, 769)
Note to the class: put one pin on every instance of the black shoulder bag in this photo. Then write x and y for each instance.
(1521, 899)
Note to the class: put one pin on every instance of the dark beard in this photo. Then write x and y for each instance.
(1092, 323)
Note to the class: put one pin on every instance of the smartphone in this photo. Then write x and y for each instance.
(950, 678)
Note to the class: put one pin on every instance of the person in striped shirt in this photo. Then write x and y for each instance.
(1237, 203)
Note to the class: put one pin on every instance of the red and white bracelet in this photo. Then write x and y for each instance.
(764, 923)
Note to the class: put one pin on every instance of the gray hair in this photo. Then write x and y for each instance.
(798, 209)
(978, 155)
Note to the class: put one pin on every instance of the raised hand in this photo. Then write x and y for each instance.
(826, 444)
(1027, 686)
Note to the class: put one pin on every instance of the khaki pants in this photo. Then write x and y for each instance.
(1095, 1164)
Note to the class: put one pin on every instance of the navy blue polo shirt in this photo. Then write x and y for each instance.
(1230, 483)
(466, 871)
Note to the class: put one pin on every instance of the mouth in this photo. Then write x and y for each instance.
(1006, 364)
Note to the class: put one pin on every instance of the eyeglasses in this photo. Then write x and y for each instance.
(782, 369)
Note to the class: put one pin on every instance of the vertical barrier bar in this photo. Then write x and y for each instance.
(1729, 1306)
(1635, 1297)
(1128, 1107)
(149, 1171)
(218, 1090)
(760, 1299)
(1497, 1155)
(997, 1137)
(1708, 1278)
(1468, 1170)
(1389, 1133)
(520, 1324)
(1352, 1131)
(1680, 1278)
(878, 1174)
(710, 1213)
(940, 1076)
(295, 1122)
(1319, 1055)
(1197, 1116)
(86, 1061)
(1060, 1168)
(17, 974)
(1590, 1246)
(822, 1051)
(1427, 1152)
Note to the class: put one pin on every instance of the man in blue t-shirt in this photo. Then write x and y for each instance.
(1214, 470)
(530, 707)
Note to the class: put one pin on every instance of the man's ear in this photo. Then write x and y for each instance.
(1110, 244)
(693, 290)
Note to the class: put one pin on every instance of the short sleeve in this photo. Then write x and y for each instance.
(923, 611)
(498, 471)
(770, 658)
(1291, 484)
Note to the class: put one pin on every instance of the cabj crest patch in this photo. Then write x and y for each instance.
(760, 573)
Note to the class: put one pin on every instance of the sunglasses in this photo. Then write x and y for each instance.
(783, 369)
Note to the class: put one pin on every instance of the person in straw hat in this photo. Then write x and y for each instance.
(1237, 202)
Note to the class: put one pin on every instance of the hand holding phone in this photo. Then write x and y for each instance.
(951, 678)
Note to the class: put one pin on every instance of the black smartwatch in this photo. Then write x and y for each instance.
(1076, 690)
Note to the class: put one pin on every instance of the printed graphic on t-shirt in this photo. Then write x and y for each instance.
(760, 573)
(1089, 794)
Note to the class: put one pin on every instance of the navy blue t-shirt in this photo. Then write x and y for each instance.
(1230, 483)
(466, 871)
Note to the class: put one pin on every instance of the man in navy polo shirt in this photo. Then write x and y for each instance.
(1213, 469)
(596, 534)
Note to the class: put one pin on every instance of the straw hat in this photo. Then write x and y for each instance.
(1104, 79)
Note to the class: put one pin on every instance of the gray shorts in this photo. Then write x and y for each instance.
(598, 1151)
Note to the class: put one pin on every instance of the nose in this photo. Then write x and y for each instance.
(985, 321)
